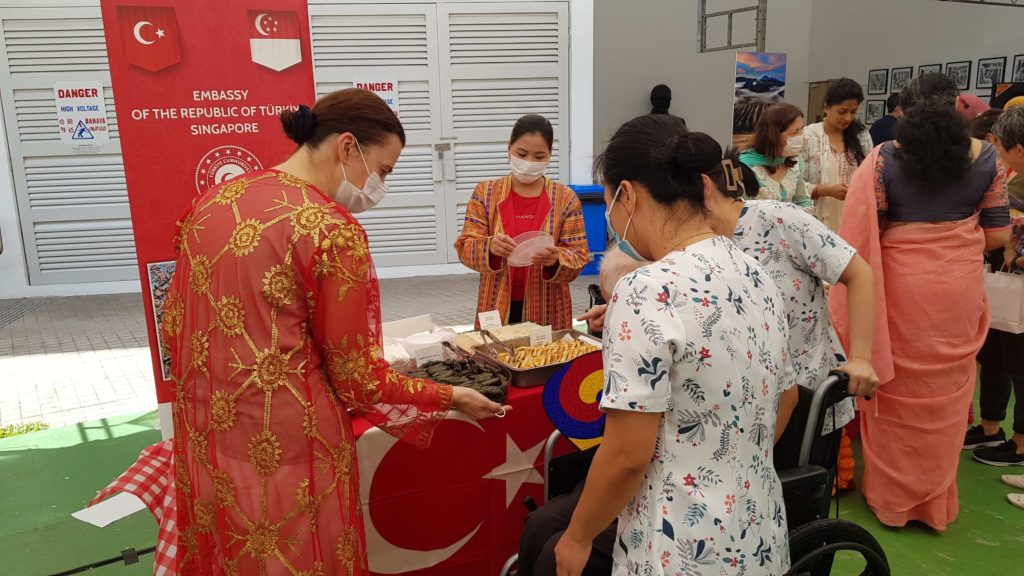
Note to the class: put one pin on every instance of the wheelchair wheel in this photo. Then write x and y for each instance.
(814, 546)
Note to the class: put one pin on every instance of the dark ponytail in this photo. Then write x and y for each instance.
(658, 152)
(838, 92)
(353, 110)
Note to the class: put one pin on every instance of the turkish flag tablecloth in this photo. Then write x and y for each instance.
(454, 508)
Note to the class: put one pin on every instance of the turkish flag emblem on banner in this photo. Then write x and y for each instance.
(149, 36)
(274, 39)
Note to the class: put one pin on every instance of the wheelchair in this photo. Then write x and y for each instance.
(814, 538)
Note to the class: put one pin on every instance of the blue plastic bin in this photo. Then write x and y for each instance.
(592, 200)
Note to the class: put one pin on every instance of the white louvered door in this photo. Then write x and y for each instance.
(498, 61)
(73, 208)
(399, 40)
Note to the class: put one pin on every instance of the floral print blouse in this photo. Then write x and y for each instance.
(701, 337)
(799, 253)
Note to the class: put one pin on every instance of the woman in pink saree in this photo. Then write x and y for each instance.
(923, 210)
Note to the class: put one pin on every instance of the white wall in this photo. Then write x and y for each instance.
(641, 43)
(850, 38)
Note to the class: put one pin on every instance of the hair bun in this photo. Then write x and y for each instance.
(299, 124)
(696, 152)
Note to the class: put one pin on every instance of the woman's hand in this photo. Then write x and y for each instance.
(502, 245)
(837, 191)
(476, 405)
(549, 257)
(1010, 256)
(570, 556)
(863, 380)
(595, 317)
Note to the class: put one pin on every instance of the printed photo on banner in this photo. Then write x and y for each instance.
(990, 72)
(760, 82)
(160, 276)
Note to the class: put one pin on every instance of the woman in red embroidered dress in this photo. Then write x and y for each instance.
(273, 325)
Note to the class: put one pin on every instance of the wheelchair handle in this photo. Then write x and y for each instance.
(844, 379)
(833, 388)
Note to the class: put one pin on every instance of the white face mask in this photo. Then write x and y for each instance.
(360, 199)
(793, 146)
(525, 171)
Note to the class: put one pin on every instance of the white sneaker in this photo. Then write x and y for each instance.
(1015, 480)
(1016, 499)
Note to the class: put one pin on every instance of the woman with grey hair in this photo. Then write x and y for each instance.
(1002, 357)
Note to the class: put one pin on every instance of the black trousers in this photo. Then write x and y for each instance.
(544, 527)
(1002, 370)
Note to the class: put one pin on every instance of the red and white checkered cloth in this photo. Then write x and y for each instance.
(151, 479)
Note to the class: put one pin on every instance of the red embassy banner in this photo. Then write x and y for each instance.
(198, 88)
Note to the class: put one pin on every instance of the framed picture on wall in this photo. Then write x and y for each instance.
(878, 82)
(960, 72)
(1017, 72)
(900, 78)
(929, 69)
(990, 72)
(875, 111)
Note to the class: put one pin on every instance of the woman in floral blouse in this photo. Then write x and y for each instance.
(696, 361)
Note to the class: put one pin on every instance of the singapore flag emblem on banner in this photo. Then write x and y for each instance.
(274, 39)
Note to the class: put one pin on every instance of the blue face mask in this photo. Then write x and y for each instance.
(623, 244)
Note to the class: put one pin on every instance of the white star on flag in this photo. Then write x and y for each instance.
(518, 469)
(160, 33)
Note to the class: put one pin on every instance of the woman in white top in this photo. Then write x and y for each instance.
(695, 363)
(833, 149)
(775, 155)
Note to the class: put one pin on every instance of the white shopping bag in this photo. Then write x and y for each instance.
(1005, 301)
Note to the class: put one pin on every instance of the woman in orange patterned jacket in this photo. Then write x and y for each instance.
(273, 328)
(525, 201)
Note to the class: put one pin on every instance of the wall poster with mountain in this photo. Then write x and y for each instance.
(760, 82)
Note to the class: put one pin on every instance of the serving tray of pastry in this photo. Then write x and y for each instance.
(533, 365)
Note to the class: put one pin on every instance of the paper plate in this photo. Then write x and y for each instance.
(528, 245)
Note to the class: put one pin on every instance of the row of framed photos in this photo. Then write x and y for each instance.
(991, 71)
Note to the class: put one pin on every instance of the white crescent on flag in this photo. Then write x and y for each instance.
(385, 557)
(259, 24)
(138, 33)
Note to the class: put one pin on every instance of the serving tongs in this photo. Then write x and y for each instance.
(510, 350)
(462, 362)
